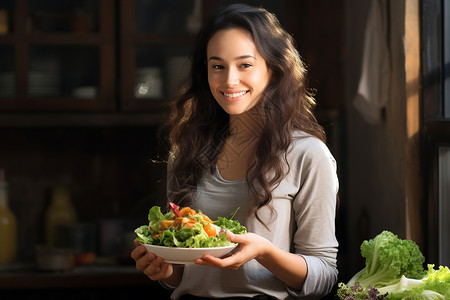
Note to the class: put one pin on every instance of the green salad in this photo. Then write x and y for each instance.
(184, 227)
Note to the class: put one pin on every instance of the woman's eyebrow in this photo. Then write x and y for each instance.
(236, 58)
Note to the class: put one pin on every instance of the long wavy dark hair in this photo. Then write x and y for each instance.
(198, 126)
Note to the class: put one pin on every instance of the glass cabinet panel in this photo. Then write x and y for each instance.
(160, 71)
(275, 7)
(60, 54)
(6, 14)
(56, 16)
(156, 39)
(7, 77)
(168, 17)
(56, 71)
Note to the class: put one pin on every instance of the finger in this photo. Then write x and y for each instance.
(138, 252)
(230, 235)
(136, 243)
(153, 270)
(206, 262)
(145, 261)
(164, 268)
(212, 261)
(236, 238)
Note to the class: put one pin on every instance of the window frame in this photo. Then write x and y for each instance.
(435, 127)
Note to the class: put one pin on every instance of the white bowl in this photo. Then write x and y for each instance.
(187, 255)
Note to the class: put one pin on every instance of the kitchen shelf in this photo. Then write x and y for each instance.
(86, 282)
(7, 39)
(66, 39)
(82, 119)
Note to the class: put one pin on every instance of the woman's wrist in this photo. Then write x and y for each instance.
(174, 280)
(288, 267)
(267, 252)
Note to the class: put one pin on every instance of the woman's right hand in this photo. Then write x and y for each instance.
(153, 266)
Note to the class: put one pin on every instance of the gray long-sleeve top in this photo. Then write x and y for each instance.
(302, 221)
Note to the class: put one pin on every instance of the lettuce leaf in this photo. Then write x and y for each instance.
(232, 225)
(155, 217)
(144, 235)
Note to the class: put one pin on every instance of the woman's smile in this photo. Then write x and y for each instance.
(233, 96)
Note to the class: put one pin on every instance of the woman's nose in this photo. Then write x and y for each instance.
(232, 76)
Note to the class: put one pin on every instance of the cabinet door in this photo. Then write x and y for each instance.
(60, 55)
(156, 39)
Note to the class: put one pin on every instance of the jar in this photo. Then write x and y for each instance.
(8, 225)
(60, 212)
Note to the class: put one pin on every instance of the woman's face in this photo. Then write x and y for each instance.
(237, 73)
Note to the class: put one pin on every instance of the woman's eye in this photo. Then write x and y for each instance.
(218, 67)
(246, 65)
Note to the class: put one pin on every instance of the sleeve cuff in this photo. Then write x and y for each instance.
(319, 280)
(166, 286)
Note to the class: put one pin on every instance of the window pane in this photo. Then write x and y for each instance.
(444, 205)
(446, 59)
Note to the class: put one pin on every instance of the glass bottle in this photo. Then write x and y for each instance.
(8, 225)
(60, 212)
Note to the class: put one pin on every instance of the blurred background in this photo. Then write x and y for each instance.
(84, 87)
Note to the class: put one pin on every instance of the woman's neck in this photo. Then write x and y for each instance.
(245, 126)
(239, 147)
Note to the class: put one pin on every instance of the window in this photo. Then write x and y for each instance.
(444, 205)
(435, 128)
(446, 59)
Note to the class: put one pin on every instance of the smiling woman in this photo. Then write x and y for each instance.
(243, 134)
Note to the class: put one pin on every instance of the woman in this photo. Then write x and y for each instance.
(243, 135)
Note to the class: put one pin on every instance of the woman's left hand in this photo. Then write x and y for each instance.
(250, 246)
(288, 267)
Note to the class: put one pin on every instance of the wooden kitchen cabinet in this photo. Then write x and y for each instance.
(61, 56)
(58, 55)
(107, 57)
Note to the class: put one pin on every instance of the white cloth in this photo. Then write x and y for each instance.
(373, 88)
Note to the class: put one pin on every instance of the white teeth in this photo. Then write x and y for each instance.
(234, 95)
